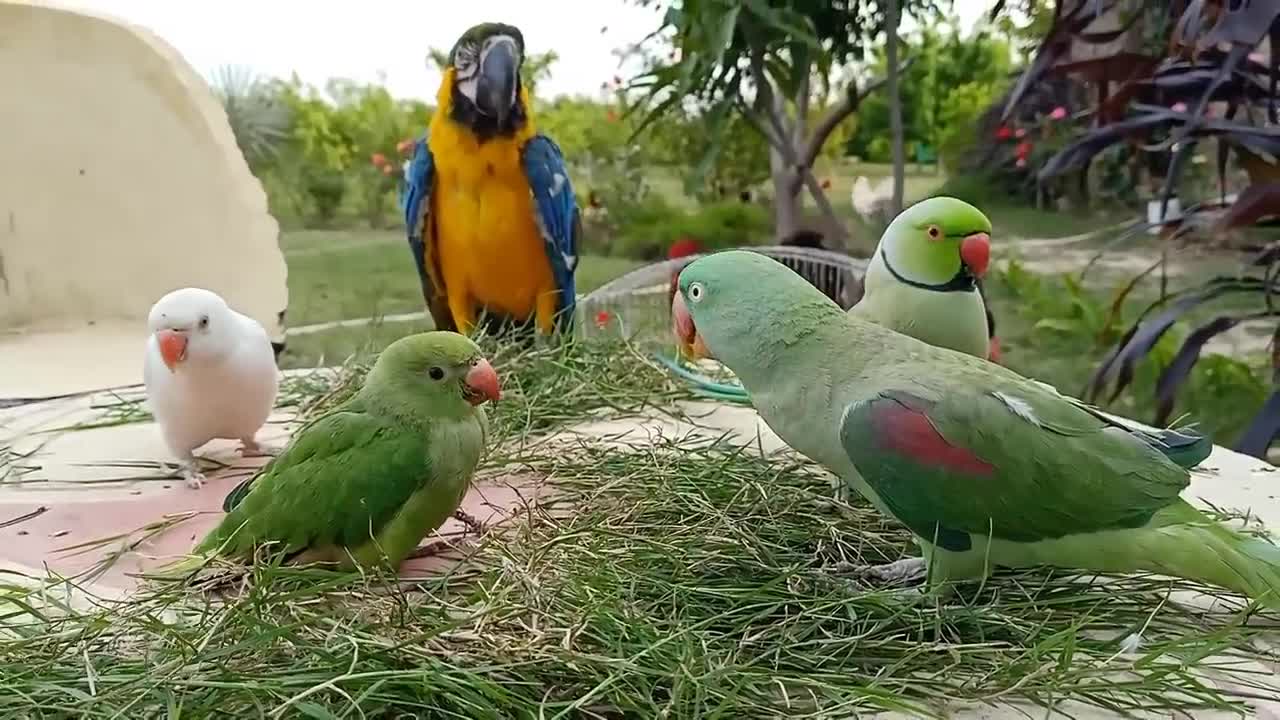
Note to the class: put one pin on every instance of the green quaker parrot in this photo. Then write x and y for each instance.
(922, 282)
(372, 477)
(985, 467)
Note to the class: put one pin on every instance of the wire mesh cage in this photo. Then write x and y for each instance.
(638, 304)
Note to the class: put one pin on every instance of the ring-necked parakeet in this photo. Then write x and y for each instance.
(372, 477)
(987, 468)
(210, 373)
(489, 208)
(922, 282)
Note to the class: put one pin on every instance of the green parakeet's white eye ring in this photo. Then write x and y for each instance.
(935, 232)
(695, 291)
(436, 373)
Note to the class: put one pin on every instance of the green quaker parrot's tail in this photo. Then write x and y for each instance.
(1199, 548)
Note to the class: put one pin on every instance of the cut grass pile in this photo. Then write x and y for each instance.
(684, 578)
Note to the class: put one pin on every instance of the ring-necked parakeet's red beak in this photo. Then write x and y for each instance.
(482, 383)
(173, 347)
(975, 253)
(690, 342)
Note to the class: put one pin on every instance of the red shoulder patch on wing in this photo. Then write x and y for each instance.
(909, 432)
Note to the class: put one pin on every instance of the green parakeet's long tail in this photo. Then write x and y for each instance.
(1195, 547)
(1185, 448)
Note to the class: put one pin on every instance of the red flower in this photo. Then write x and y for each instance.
(1020, 133)
(378, 159)
(1179, 107)
(602, 318)
(1022, 150)
(1058, 113)
(683, 247)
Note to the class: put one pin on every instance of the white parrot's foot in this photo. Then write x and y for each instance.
(250, 447)
(908, 571)
(193, 477)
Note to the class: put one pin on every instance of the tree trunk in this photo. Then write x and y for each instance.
(786, 196)
(895, 105)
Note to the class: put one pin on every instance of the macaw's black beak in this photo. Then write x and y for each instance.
(496, 89)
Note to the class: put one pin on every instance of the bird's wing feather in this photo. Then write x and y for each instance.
(338, 483)
(557, 214)
(415, 201)
(1014, 462)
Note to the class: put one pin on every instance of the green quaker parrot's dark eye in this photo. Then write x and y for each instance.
(436, 373)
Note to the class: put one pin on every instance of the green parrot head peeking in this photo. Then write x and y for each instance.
(937, 244)
(485, 65)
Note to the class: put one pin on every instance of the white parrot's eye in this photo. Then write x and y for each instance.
(204, 322)
(436, 373)
(696, 292)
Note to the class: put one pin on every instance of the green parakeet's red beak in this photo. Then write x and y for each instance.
(689, 341)
(975, 253)
(173, 347)
(482, 383)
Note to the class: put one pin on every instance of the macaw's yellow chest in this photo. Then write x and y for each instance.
(491, 252)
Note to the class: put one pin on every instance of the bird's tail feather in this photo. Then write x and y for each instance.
(704, 385)
(1202, 549)
(1185, 448)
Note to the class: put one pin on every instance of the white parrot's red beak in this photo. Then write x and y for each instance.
(482, 383)
(689, 341)
(975, 253)
(173, 347)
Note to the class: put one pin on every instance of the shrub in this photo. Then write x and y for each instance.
(645, 230)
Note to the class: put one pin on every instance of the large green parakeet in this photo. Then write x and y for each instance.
(987, 468)
(371, 478)
(922, 282)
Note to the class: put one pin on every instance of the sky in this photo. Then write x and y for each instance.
(387, 40)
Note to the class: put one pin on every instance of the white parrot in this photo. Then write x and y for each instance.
(210, 373)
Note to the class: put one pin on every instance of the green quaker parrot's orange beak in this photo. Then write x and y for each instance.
(687, 338)
(173, 347)
(482, 383)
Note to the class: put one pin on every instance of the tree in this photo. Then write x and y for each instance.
(895, 106)
(1189, 73)
(942, 61)
(258, 117)
(762, 61)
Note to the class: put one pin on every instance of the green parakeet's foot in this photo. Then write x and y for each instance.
(472, 523)
(908, 571)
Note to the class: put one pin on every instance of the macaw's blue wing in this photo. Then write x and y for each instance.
(557, 216)
(415, 201)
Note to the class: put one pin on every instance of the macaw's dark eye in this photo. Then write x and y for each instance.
(436, 373)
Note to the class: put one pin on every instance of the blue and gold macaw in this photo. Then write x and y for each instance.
(490, 211)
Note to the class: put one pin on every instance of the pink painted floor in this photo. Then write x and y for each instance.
(65, 511)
